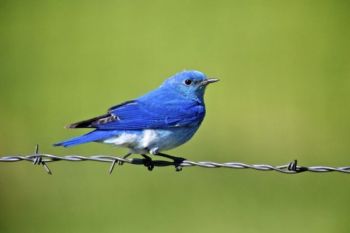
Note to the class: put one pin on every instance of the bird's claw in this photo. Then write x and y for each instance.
(149, 164)
(177, 163)
(178, 168)
(120, 162)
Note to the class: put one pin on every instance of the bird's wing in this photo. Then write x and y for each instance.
(135, 114)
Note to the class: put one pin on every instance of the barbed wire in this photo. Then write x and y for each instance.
(291, 168)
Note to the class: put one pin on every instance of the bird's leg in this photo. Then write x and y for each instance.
(148, 162)
(124, 157)
(177, 160)
(119, 162)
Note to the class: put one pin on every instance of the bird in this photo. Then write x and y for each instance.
(160, 120)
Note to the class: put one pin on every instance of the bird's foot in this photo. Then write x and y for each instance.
(124, 157)
(148, 162)
(176, 160)
(177, 163)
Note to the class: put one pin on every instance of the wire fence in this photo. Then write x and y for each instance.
(291, 168)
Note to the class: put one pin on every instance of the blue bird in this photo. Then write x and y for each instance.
(160, 120)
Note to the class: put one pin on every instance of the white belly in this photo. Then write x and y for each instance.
(149, 140)
(137, 141)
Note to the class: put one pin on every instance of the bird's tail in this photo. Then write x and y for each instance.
(93, 136)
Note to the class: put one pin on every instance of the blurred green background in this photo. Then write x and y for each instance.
(284, 94)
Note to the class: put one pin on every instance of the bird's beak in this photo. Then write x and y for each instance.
(209, 80)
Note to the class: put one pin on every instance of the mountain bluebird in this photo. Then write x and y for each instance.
(158, 121)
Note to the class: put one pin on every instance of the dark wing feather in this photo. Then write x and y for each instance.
(133, 115)
(103, 119)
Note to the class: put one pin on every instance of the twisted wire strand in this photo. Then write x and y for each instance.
(290, 168)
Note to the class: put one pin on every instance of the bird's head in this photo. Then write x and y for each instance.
(189, 83)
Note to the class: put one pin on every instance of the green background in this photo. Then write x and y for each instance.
(284, 94)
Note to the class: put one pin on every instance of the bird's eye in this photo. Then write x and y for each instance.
(188, 82)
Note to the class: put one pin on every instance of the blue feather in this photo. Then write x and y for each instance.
(97, 135)
(159, 120)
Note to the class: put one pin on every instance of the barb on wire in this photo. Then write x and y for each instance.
(290, 168)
